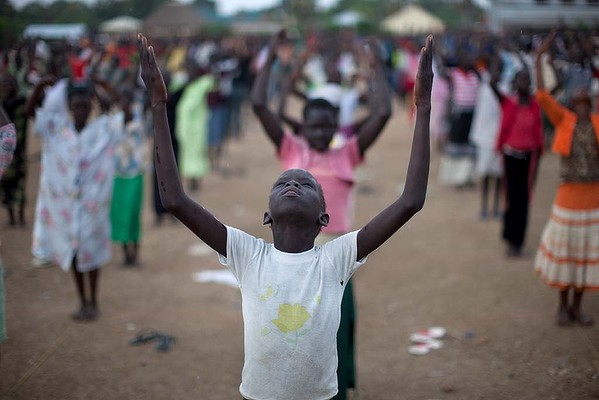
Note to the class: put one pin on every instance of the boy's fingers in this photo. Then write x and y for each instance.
(152, 57)
(428, 51)
(429, 44)
(143, 49)
(144, 42)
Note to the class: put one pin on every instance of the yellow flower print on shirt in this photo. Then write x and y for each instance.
(269, 293)
(291, 317)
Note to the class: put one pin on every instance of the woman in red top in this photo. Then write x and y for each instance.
(520, 141)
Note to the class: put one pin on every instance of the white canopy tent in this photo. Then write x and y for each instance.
(122, 24)
(412, 20)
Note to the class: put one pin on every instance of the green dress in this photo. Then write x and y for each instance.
(192, 128)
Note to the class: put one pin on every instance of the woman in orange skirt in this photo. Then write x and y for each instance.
(568, 254)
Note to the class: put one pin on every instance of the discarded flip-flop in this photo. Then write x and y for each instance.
(425, 335)
(420, 349)
(143, 338)
(165, 343)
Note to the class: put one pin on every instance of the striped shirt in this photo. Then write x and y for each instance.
(465, 87)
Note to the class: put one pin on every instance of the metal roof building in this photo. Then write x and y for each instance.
(55, 31)
(542, 14)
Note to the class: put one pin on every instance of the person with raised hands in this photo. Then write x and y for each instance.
(291, 288)
(568, 254)
(311, 147)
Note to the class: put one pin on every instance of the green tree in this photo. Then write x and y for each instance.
(304, 11)
(10, 26)
(62, 12)
(142, 8)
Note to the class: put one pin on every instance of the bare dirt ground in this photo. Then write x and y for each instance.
(446, 268)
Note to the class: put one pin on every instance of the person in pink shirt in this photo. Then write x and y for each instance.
(520, 141)
(333, 167)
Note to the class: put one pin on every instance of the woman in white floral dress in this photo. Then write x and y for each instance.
(76, 184)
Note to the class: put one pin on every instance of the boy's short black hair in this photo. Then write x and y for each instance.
(318, 103)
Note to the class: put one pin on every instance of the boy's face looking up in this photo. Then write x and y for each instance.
(297, 195)
(319, 126)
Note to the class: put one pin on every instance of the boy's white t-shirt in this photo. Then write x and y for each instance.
(291, 313)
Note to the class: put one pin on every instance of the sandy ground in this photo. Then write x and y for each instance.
(445, 268)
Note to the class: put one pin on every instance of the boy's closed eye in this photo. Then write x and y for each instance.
(309, 184)
(306, 183)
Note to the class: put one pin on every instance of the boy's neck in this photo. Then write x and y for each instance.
(292, 239)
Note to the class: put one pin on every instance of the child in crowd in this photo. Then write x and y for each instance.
(345, 97)
(131, 164)
(483, 133)
(192, 126)
(457, 165)
(8, 142)
(218, 104)
(76, 187)
(520, 141)
(290, 349)
(568, 253)
(333, 168)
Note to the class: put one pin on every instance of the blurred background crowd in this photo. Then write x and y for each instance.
(489, 55)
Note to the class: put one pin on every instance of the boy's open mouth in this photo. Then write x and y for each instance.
(291, 192)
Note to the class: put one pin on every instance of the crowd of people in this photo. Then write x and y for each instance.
(495, 106)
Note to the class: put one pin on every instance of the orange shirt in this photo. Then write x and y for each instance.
(564, 122)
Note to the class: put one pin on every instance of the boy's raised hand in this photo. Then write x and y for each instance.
(424, 77)
(150, 73)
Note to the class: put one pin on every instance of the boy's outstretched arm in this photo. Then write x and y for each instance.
(289, 89)
(379, 100)
(172, 195)
(388, 221)
(270, 122)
